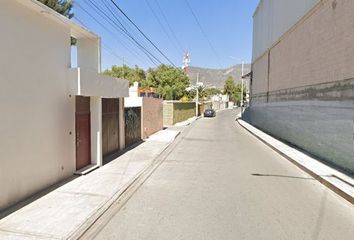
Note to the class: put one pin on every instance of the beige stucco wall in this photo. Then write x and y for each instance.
(273, 18)
(260, 75)
(36, 113)
(320, 49)
(167, 113)
(88, 82)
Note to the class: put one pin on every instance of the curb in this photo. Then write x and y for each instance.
(183, 124)
(313, 174)
(121, 196)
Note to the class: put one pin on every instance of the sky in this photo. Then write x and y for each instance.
(219, 35)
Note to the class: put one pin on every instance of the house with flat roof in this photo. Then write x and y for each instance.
(55, 119)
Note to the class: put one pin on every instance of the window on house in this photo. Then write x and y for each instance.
(73, 52)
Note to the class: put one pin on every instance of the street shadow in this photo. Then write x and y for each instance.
(7, 211)
(280, 176)
(34, 197)
(114, 156)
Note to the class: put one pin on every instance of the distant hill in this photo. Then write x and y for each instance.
(216, 77)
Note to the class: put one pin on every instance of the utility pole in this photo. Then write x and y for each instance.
(186, 61)
(123, 68)
(197, 96)
(242, 73)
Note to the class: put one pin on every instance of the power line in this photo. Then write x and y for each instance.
(105, 46)
(146, 52)
(98, 22)
(121, 21)
(88, 37)
(202, 30)
(122, 31)
(142, 33)
(130, 35)
(169, 26)
(161, 25)
(125, 15)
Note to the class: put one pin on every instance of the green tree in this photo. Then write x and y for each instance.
(131, 74)
(229, 87)
(208, 92)
(237, 94)
(170, 82)
(205, 93)
(63, 7)
(234, 91)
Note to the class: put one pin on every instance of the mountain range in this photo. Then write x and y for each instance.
(216, 77)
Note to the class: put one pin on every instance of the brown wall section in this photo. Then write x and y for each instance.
(260, 75)
(318, 50)
(152, 116)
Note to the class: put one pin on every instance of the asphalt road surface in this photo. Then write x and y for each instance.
(220, 182)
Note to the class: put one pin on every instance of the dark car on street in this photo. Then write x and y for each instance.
(209, 113)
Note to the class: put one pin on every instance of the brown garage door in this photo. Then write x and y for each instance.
(83, 132)
(110, 126)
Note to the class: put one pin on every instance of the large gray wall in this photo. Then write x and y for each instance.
(302, 88)
(323, 128)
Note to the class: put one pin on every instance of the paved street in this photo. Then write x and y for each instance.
(220, 182)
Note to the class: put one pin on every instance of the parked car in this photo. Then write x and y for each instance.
(209, 113)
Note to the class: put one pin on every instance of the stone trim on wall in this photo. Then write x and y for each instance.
(331, 91)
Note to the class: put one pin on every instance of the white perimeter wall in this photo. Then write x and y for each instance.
(36, 113)
(133, 102)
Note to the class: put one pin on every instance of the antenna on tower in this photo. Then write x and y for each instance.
(186, 60)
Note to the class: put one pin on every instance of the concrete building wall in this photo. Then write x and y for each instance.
(322, 128)
(37, 97)
(273, 18)
(37, 143)
(133, 102)
(260, 75)
(320, 49)
(310, 102)
(183, 111)
(167, 113)
(152, 116)
(88, 54)
(174, 112)
(216, 105)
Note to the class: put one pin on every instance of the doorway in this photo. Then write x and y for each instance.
(83, 132)
(110, 126)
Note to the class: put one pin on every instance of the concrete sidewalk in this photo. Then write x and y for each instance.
(333, 179)
(187, 122)
(68, 211)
